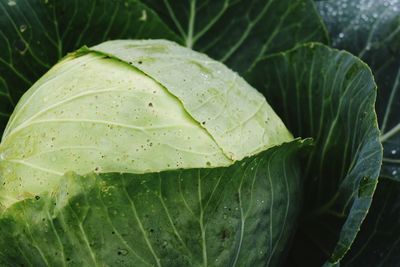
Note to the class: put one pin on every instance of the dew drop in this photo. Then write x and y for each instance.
(12, 3)
(341, 35)
(394, 152)
(143, 17)
(364, 17)
(394, 172)
(22, 28)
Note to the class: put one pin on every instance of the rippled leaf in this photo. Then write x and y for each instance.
(328, 95)
(371, 30)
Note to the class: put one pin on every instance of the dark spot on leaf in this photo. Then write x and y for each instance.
(237, 197)
(150, 104)
(37, 197)
(140, 62)
(122, 252)
(224, 234)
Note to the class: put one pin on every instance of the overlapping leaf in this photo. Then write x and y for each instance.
(328, 95)
(236, 216)
(371, 30)
(239, 32)
(341, 173)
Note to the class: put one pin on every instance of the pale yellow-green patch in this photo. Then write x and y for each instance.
(134, 107)
(236, 115)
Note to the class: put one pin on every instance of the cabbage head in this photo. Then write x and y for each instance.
(146, 153)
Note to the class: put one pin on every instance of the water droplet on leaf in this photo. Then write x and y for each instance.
(144, 16)
(22, 28)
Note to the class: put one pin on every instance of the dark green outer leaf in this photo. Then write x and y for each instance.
(242, 215)
(328, 95)
(378, 243)
(34, 35)
(371, 29)
(239, 32)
